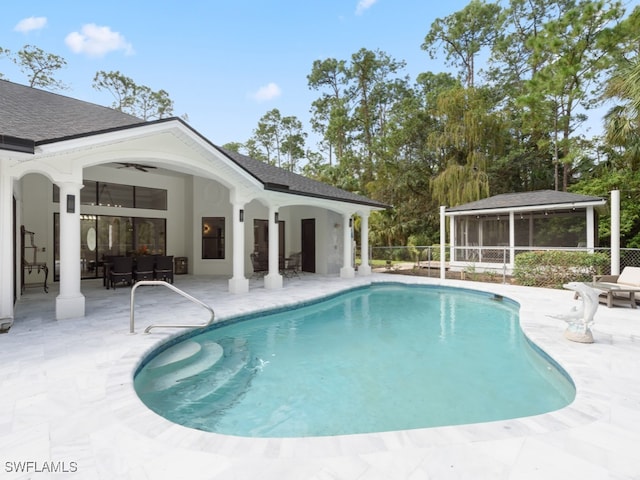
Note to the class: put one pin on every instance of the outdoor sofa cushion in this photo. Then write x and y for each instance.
(630, 277)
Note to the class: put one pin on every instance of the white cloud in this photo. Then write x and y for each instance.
(96, 41)
(32, 23)
(364, 5)
(267, 92)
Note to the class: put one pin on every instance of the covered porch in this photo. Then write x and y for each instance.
(184, 197)
(488, 234)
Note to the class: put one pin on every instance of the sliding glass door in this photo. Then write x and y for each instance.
(103, 235)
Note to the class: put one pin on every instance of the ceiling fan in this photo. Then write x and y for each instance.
(137, 166)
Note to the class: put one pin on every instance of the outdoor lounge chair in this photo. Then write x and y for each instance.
(260, 267)
(143, 269)
(163, 268)
(121, 271)
(292, 265)
(619, 287)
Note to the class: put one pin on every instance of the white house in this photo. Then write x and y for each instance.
(88, 181)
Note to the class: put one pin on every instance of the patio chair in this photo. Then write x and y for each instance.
(260, 268)
(292, 265)
(163, 269)
(619, 287)
(143, 268)
(121, 271)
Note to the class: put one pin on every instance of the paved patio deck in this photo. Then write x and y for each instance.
(66, 398)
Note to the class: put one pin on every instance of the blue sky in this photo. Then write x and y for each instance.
(224, 63)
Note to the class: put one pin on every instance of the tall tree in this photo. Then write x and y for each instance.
(330, 112)
(622, 121)
(463, 35)
(293, 142)
(471, 135)
(572, 50)
(40, 67)
(268, 136)
(129, 97)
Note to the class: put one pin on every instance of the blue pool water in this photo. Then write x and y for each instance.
(381, 358)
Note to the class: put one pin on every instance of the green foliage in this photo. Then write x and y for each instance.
(628, 182)
(134, 99)
(435, 252)
(40, 66)
(555, 268)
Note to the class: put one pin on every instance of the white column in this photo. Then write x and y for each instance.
(347, 270)
(70, 301)
(512, 238)
(615, 232)
(452, 239)
(364, 268)
(443, 241)
(7, 236)
(238, 283)
(273, 279)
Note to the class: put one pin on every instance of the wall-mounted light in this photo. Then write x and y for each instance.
(241, 215)
(350, 222)
(275, 217)
(71, 204)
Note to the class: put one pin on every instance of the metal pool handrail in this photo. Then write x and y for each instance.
(175, 289)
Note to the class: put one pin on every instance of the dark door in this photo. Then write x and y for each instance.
(309, 245)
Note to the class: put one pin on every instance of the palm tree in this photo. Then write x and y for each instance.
(622, 122)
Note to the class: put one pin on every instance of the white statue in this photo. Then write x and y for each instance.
(580, 319)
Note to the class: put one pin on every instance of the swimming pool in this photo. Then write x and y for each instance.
(380, 358)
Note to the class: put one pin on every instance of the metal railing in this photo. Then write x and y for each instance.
(162, 325)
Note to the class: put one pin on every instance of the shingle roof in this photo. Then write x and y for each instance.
(525, 199)
(38, 115)
(278, 179)
(43, 117)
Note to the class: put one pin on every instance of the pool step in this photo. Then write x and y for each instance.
(211, 398)
(177, 364)
(234, 361)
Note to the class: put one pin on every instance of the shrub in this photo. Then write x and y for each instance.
(435, 252)
(555, 267)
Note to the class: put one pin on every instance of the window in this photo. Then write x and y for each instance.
(103, 235)
(117, 195)
(150, 198)
(213, 237)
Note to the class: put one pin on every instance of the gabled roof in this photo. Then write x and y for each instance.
(37, 115)
(280, 180)
(536, 200)
(29, 117)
